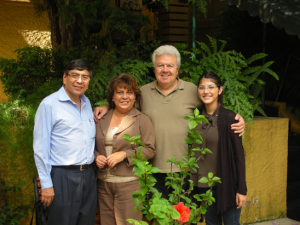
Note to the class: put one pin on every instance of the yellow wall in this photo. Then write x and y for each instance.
(266, 150)
(19, 27)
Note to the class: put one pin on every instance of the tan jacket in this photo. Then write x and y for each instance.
(134, 123)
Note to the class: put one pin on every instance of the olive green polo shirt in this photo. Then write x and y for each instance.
(167, 115)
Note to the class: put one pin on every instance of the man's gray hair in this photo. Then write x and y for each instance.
(166, 50)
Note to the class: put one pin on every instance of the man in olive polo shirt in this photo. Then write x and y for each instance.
(166, 101)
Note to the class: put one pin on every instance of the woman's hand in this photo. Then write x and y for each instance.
(240, 200)
(101, 161)
(240, 126)
(99, 112)
(115, 158)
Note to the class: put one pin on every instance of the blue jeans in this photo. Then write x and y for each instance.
(230, 217)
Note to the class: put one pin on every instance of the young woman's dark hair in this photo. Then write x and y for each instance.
(127, 81)
(216, 79)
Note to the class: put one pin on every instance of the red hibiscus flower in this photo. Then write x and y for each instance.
(184, 212)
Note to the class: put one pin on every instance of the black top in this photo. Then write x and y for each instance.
(231, 162)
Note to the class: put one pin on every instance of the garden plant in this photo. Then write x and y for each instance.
(179, 207)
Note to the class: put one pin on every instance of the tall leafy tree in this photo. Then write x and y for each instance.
(72, 22)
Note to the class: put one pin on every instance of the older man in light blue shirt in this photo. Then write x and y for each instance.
(64, 140)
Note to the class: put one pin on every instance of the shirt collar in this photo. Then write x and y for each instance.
(212, 119)
(63, 96)
(180, 84)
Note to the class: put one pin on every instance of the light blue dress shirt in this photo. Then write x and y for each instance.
(63, 135)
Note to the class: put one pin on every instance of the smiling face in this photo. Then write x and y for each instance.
(75, 87)
(123, 99)
(166, 71)
(209, 92)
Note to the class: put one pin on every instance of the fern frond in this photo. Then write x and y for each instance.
(256, 89)
(256, 57)
(205, 48)
(213, 43)
(223, 45)
(249, 70)
(255, 75)
(271, 72)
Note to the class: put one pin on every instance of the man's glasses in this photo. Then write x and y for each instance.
(209, 88)
(75, 76)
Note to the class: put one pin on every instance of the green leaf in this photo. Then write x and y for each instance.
(199, 142)
(136, 137)
(143, 190)
(174, 214)
(189, 140)
(203, 211)
(196, 112)
(126, 137)
(189, 117)
(203, 180)
(140, 143)
(210, 175)
(206, 150)
(136, 194)
(192, 124)
(197, 149)
(217, 179)
(155, 170)
(191, 132)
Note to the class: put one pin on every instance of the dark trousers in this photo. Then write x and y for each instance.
(230, 217)
(160, 184)
(75, 197)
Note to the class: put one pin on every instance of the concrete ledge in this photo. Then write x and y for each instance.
(295, 122)
(282, 221)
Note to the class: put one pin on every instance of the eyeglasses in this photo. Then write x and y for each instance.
(75, 76)
(209, 88)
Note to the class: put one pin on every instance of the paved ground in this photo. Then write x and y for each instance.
(282, 221)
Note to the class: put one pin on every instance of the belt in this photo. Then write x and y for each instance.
(76, 167)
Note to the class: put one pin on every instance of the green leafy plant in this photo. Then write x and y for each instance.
(36, 73)
(11, 214)
(16, 131)
(128, 22)
(149, 200)
(73, 22)
(240, 80)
